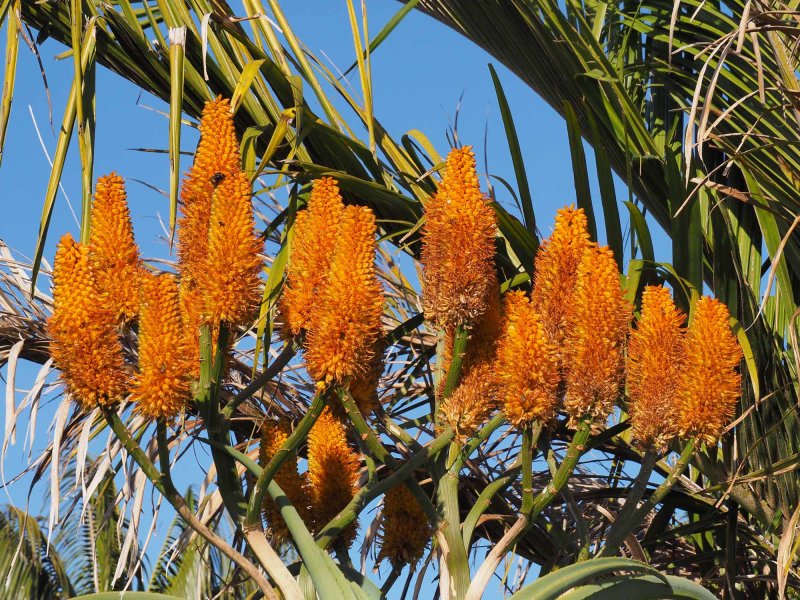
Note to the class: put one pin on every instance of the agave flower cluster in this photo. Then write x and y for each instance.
(563, 348)
(102, 287)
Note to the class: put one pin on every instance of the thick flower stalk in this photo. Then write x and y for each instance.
(316, 230)
(112, 250)
(273, 437)
(85, 345)
(654, 368)
(526, 367)
(711, 384)
(556, 271)
(405, 530)
(217, 156)
(229, 286)
(161, 387)
(333, 470)
(458, 246)
(597, 324)
(346, 320)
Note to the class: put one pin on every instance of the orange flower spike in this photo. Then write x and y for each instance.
(655, 364)
(85, 346)
(710, 385)
(405, 530)
(596, 329)
(217, 153)
(526, 365)
(112, 249)
(315, 232)
(457, 245)
(333, 471)
(346, 323)
(273, 437)
(230, 283)
(161, 388)
(556, 270)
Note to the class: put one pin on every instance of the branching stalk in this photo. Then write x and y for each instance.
(163, 483)
(623, 527)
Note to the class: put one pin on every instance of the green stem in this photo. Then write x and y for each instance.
(350, 513)
(525, 519)
(623, 527)
(454, 371)
(374, 445)
(449, 534)
(635, 493)
(212, 365)
(253, 515)
(163, 483)
(530, 435)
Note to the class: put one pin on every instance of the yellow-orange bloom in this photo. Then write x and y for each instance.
(346, 321)
(333, 469)
(655, 364)
(273, 437)
(85, 346)
(191, 320)
(112, 249)
(710, 384)
(230, 282)
(316, 230)
(405, 530)
(217, 155)
(596, 326)
(457, 245)
(526, 367)
(364, 387)
(556, 270)
(161, 388)
(472, 402)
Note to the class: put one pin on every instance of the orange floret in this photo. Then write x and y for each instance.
(333, 470)
(556, 271)
(161, 388)
(230, 283)
(85, 345)
(273, 437)
(710, 385)
(112, 249)
(346, 321)
(316, 230)
(217, 156)
(655, 364)
(596, 326)
(458, 246)
(526, 367)
(405, 530)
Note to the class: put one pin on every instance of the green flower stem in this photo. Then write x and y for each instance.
(260, 380)
(253, 515)
(454, 372)
(530, 435)
(575, 450)
(373, 444)
(364, 496)
(449, 536)
(625, 524)
(322, 570)
(265, 553)
(212, 363)
(163, 483)
(635, 494)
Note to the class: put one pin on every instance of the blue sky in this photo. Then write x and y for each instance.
(422, 76)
